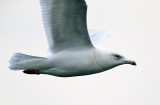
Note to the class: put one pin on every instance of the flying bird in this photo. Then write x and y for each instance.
(74, 51)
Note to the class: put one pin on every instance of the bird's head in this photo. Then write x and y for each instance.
(119, 59)
(112, 59)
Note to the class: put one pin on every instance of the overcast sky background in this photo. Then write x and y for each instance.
(135, 27)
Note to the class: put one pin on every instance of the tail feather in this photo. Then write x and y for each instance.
(18, 57)
(21, 61)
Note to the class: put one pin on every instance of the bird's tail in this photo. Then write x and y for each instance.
(22, 62)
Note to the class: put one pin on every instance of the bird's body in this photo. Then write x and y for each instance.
(72, 46)
(67, 63)
(76, 63)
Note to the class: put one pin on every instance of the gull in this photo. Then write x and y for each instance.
(74, 51)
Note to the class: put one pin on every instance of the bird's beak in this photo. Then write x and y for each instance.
(131, 62)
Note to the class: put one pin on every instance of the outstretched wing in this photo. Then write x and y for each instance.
(65, 24)
(97, 36)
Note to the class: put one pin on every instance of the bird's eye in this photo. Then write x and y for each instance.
(117, 56)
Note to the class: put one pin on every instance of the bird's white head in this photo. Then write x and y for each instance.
(112, 59)
(119, 59)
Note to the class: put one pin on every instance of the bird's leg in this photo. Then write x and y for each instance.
(31, 71)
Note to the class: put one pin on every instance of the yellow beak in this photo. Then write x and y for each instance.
(132, 62)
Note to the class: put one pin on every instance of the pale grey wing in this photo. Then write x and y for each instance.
(65, 24)
(97, 36)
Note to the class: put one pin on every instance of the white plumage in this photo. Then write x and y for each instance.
(72, 46)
